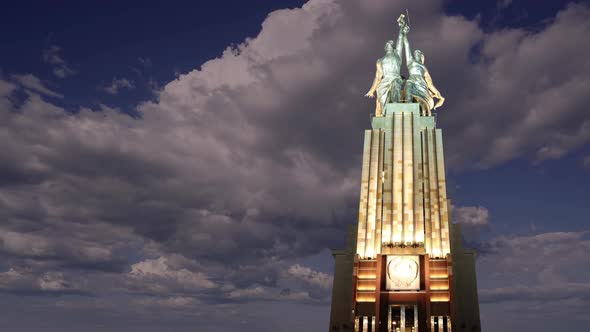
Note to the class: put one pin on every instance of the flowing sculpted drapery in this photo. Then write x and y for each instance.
(388, 81)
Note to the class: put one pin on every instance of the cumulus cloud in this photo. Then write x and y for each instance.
(52, 55)
(24, 283)
(306, 274)
(529, 91)
(116, 85)
(160, 276)
(33, 83)
(253, 160)
(537, 268)
(472, 215)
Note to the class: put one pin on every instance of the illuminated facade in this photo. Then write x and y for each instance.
(404, 269)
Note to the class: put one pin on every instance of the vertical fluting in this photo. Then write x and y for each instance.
(362, 222)
(374, 178)
(418, 179)
(434, 195)
(403, 186)
(397, 177)
(408, 178)
(426, 186)
(379, 194)
(442, 189)
(387, 186)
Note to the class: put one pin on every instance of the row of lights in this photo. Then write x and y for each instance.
(403, 245)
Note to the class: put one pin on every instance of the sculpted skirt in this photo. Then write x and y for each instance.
(416, 87)
(389, 90)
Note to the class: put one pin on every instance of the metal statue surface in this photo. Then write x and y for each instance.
(419, 86)
(388, 82)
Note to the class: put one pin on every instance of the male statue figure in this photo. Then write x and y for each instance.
(388, 82)
(419, 86)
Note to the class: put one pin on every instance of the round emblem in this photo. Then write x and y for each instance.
(402, 271)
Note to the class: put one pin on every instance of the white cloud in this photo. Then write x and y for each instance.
(524, 264)
(314, 278)
(23, 282)
(267, 293)
(116, 85)
(32, 83)
(6, 88)
(472, 215)
(146, 62)
(536, 278)
(253, 150)
(52, 55)
(172, 302)
(159, 276)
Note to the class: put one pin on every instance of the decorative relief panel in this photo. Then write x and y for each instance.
(403, 273)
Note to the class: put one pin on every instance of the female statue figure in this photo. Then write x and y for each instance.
(419, 87)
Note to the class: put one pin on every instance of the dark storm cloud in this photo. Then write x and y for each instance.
(253, 161)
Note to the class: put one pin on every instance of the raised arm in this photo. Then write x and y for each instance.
(399, 45)
(409, 58)
(378, 76)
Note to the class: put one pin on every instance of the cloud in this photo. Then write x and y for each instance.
(23, 283)
(521, 79)
(257, 293)
(146, 62)
(252, 150)
(243, 166)
(534, 279)
(116, 85)
(159, 276)
(32, 83)
(503, 4)
(318, 285)
(52, 55)
(549, 293)
(314, 278)
(586, 162)
(472, 215)
(542, 268)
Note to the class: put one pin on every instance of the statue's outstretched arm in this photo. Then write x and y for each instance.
(399, 45)
(378, 76)
(408, 51)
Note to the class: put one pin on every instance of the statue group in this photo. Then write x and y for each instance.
(390, 86)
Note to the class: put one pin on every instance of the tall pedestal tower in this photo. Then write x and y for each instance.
(404, 269)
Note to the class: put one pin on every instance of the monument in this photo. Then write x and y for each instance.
(404, 268)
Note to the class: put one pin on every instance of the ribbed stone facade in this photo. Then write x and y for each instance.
(404, 278)
(403, 199)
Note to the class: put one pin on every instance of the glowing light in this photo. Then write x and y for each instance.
(365, 297)
(403, 272)
(439, 285)
(439, 297)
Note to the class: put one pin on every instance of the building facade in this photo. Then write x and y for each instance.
(404, 269)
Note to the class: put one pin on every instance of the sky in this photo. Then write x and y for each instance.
(188, 166)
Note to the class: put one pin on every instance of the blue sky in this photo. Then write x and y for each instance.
(163, 164)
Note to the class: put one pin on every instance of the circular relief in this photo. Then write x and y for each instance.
(402, 271)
